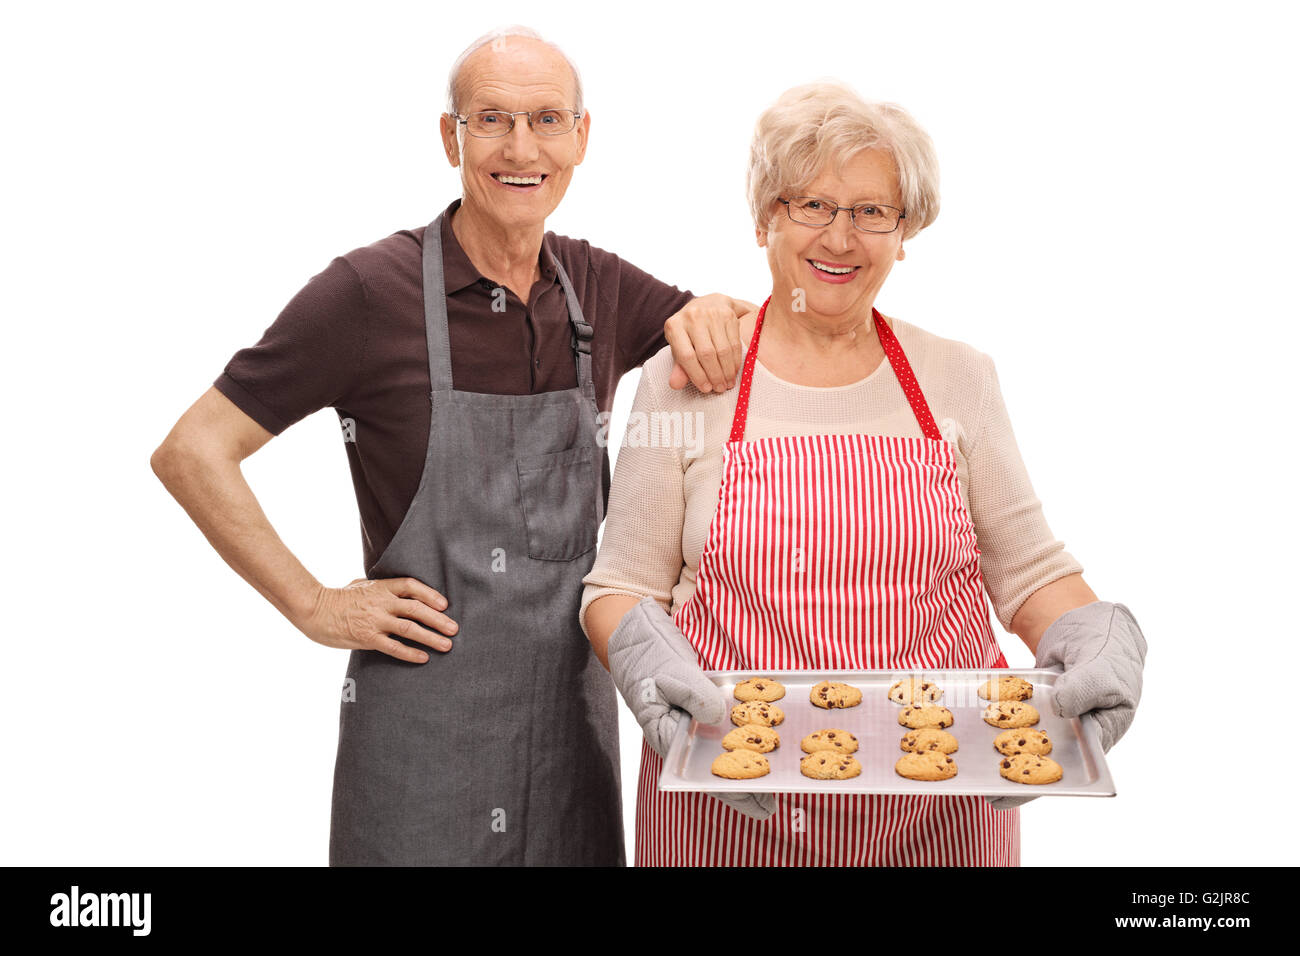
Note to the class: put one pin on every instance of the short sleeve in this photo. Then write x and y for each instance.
(309, 358)
(642, 303)
(1019, 553)
(641, 550)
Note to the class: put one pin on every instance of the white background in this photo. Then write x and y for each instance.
(1119, 207)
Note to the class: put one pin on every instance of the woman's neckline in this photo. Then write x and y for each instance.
(821, 388)
(884, 361)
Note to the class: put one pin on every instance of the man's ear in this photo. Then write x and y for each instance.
(584, 130)
(447, 127)
(761, 236)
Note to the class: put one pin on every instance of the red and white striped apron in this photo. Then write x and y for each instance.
(834, 552)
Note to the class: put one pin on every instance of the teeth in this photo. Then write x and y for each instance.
(822, 267)
(520, 180)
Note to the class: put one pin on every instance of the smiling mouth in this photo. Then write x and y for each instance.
(830, 269)
(520, 182)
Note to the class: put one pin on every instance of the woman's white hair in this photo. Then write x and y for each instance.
(453, 79)
(814, 126)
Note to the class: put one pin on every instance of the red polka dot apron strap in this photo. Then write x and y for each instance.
(906, 377)
(747, 377)
(834, 552)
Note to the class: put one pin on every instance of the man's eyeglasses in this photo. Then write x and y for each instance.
(867, 216)
(489, 123)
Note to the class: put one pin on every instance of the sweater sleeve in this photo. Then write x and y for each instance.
(641, 550)
(1019, 553)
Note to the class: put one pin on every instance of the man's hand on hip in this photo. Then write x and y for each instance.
(367, 614)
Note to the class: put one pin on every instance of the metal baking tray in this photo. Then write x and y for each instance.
(1075, 744)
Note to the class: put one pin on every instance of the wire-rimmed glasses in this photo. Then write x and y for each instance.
(866, 216)
(490, 123)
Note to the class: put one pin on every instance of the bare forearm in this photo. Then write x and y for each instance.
(213, 492)
(603, 617)
(1047, 604)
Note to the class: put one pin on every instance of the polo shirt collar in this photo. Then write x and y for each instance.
(459, 272)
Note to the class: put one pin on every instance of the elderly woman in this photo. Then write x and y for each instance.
(845, 508)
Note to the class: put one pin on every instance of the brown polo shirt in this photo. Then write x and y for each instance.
(353, 339)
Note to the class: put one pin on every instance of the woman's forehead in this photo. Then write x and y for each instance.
(868, 174)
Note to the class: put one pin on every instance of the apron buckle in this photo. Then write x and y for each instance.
(581, 343)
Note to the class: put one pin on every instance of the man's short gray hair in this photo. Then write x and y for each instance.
(821, 125)
(453, 79)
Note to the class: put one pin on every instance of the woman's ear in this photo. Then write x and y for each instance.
(761, 236)
(900, 253)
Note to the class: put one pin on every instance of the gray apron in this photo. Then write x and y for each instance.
(504, 750)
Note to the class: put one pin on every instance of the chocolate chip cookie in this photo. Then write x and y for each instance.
(1030, 768)
(926, 765)
(828, 765)
(1010, 714)
(831, 694)
(913, 690)
(839, 741)
(1023, 741)
(930, 738)
(760, 688)
(753, 737)
(757, 712)
(929, 715)
(1006, 688)
(740, 765)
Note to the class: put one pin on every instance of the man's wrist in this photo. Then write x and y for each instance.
(306, 605)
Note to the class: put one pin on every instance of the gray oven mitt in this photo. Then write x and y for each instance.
(654, 668)
(1100, 649)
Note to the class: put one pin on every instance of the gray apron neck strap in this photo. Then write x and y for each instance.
(581, 331)
(435, 316)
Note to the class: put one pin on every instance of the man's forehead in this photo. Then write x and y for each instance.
(516, 87)
(517, 70)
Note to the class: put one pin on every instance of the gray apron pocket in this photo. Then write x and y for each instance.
(558, 494)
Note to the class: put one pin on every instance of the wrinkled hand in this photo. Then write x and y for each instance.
(654, 668)
(365, 614)
(705, 341)
(1101, 651)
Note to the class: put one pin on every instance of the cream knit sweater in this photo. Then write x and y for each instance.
(665, 488)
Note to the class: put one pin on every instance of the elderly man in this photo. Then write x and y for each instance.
(468, 362)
